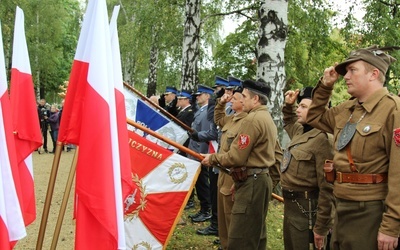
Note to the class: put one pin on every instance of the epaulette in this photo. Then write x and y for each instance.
(396, 99)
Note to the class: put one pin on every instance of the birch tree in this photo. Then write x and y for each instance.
(191, 45)
(270, 53)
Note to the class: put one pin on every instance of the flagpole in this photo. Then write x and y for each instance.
(64, 202)
(163, 111)
(49, 195)
(183, 149)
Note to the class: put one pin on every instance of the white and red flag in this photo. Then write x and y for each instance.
(12, 226)
(163, 181)
(25, 118)
(126, 176)
(89, 120)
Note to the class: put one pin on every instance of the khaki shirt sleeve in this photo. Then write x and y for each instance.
(220, 117)
(324, 220)
(319, 116)
(391, 218)
(274, 171)
(290, 124)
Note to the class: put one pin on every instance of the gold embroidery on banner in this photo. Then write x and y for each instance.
(178, 173)
(142, 244)
(143, 201)
(145, 150)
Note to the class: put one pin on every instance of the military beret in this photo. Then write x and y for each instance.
(373, 55)
(305, 93)
(258, 87)
(233, 82)
(219, 81)
(238, 90)
(204, 89)
(184, 94)
(169, 90)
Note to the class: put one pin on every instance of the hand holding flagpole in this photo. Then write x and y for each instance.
(184, 149)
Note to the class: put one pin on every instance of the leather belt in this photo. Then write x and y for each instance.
(257, 171)
(361, 178)
(290, 194)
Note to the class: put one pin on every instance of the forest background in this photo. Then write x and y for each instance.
(152, 40)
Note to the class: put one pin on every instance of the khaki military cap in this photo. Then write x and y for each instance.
(373, 55)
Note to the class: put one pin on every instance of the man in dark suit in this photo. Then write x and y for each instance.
(185, 115)
(204, 131)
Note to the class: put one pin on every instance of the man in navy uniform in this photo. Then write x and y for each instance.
(168, 100)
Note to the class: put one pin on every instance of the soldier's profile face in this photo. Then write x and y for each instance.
(302, 110)
(237, 104)
(356, 78)
(248, 101)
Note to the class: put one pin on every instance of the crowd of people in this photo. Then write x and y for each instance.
(49, 118)
(339, 173)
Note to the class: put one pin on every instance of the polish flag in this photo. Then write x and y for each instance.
(127, 183)
(25, 118)
(12, 226)
(89, 120)
(163, 181)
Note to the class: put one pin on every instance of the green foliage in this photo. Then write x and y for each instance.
(51, 30)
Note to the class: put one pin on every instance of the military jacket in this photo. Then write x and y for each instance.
(305, 170)
(230, 126)
(375, 147)
(186, 115)
(254, 145)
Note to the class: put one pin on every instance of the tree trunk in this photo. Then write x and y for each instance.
(270, 54)
(152, 84)
(191, 43)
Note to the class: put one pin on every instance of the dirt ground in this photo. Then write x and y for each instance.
(42, 169)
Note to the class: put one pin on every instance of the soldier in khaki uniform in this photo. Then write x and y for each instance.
(250, 155)
(308, 198)
(230, 126)
(366, 133)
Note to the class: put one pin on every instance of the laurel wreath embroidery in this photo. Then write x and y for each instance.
(143, 201)
(146, 245)
(173, 175)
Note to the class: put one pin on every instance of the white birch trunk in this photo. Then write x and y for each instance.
(191, 45)
(270, 54)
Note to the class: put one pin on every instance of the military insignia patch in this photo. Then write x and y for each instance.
(287, 156)
(396, 136)
(244, 141)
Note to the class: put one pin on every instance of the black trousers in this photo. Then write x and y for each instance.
(203, 189)
(214, 198)
(44, 129)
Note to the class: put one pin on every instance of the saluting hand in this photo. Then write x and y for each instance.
(291, 96)
(225, 98)
(330, 76)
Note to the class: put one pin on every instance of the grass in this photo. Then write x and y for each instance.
(185, 237)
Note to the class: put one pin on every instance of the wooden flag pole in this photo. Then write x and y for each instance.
(64, 203)
(49, 195)
(163, 111)
(183, 148)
